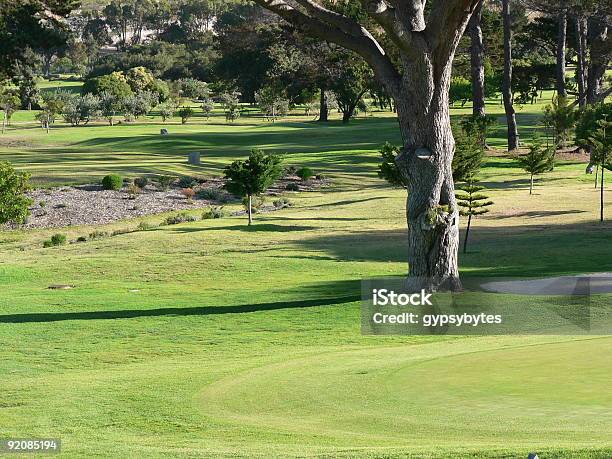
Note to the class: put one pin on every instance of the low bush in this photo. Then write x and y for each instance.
(282, 202)
(257, 203)
(188, 182)
(121, 231)
(213, 212)
(292, 186)
(82, 239)
(305, 173)
(133, 190)
(97, 234)
(188, 193)
(56, 239)
(112, 182)
(141, 182)
(321, 177)
(181, 217)
(214, 194)
(165, 181)
(290, 170)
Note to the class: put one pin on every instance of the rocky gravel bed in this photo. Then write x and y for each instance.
(92, 205)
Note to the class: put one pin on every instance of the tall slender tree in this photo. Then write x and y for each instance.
(418, 78)
(477, 53)
(513, 137)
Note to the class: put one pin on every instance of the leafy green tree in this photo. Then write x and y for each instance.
(115, 84)
(388, 169)
(207, 106)
(587, 125)
(351, 79)
(537, 161)
(194, 89)
(185, 113)
(478, 126)
(167, 109)
(471, 203)
(231, 105)
(79, 109)
(460, 90)
(9, 103)
(253, 176)
(272, 101)
(601, 154)
(110, 105)
(560, 118)
(14, 204)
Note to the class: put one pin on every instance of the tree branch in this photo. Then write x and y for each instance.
(384, 15)
(339, 29)
(446, 24)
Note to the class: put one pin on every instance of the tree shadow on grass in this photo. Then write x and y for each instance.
(327, 294)
(255, 228)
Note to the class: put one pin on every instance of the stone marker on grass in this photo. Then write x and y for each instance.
(194, 158)
(163, 131)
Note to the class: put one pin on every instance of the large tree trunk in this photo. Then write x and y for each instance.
(425, 163)
(477, 62)
(561, 39)
(513, 138)
(323, 107)
(581, 65)
(600, 57)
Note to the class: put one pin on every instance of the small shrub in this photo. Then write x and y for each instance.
(141, 182)
(290, 170)
(188, 193)
(165, 181)
(282, 202)
(188, 182)
(181, 217)
(257, 203)
(321, 177)
(112, 182)
(213, 212)
(133, 190)
(292, 186)
(143, 226)
(56, 239)
(82, 239)
(305, 173)
(213, 194)
(97, 234)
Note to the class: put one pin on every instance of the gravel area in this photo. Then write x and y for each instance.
(91, 205)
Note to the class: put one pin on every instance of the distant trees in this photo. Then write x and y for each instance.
(253, 176)
(601, 154)
(537, 160)
(14, 204)
(9, 103)
(272, 101)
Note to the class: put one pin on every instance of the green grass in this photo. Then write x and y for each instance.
(211, 339)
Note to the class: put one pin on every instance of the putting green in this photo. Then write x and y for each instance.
(477, 393)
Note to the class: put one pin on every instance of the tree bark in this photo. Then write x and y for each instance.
(250, 210)
(600, 54)
(561, 40)
(513, 138)
(531, 184)
(323, 107)
(601, 195)
(467, 232)
(477, 62)
(581, 65)
(425, 163)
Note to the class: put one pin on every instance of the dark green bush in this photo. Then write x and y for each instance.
(214, 194)
(188, 182)
(181, 217)
(165, 181)
(292, 186)
(82, 239)
(112, 182)
(213, 212)
(305, 173)
(56, 239)
(282, 202)
(141, 182)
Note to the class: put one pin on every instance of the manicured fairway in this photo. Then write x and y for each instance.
(210, 339)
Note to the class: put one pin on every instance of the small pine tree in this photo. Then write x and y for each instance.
(560, 118)
(601, 143)
(471, 203)
(469, 153)
(537, 161)
(253, 176)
